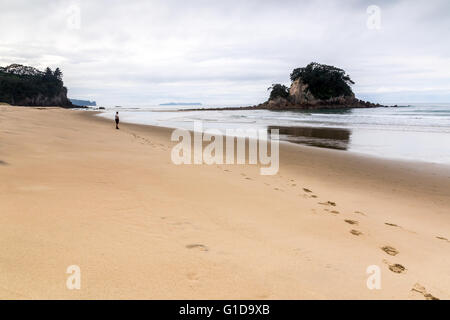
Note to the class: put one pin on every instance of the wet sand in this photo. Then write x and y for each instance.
(75, 191)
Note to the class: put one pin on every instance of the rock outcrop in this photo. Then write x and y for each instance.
(40, 99)
(315, 86)
(301, 98)
(299, 93)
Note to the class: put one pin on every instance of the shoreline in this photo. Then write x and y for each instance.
(444, 165)
(290, 149)
(77, 191)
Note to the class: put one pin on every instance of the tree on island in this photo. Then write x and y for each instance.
(324, 82)
(278, 91)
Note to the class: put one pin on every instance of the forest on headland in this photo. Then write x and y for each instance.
(28, 86)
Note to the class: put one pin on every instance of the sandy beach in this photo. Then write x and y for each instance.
(75, 191)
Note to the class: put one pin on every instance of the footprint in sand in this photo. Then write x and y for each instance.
(361, 213)
(307, 190)
(328, 203)
(421, 289)
(192, 276)
(200, 247)
(293, 185)
(247, 178)
(390, 250)
(442, 238)
(391, 224)
(356, 232)
(331, 211)
(397, 268)
(351, 221)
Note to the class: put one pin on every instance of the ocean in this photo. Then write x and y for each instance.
(418, 132)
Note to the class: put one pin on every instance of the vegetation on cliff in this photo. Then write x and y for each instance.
(278, 91)
(23, 85)
(324, 82)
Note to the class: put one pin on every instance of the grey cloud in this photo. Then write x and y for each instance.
(144, 52)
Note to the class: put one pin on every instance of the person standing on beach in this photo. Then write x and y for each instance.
(117, 120)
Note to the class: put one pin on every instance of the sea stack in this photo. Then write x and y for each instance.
(315, 86)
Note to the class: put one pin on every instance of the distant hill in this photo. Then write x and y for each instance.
(82, 103)
(26, 86)
(181, 104)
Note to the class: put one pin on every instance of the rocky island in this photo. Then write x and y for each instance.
(316, 86)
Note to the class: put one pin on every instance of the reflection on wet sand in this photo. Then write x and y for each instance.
(333, 138)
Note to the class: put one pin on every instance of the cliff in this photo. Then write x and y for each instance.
(26, 86)
(299, 93)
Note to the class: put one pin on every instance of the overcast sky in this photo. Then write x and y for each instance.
(229, 52)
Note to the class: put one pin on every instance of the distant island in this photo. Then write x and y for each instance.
(26, 86)
(83, 103)
(316, 86)
(181, 104)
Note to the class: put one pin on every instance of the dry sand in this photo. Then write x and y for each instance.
(75, 191)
